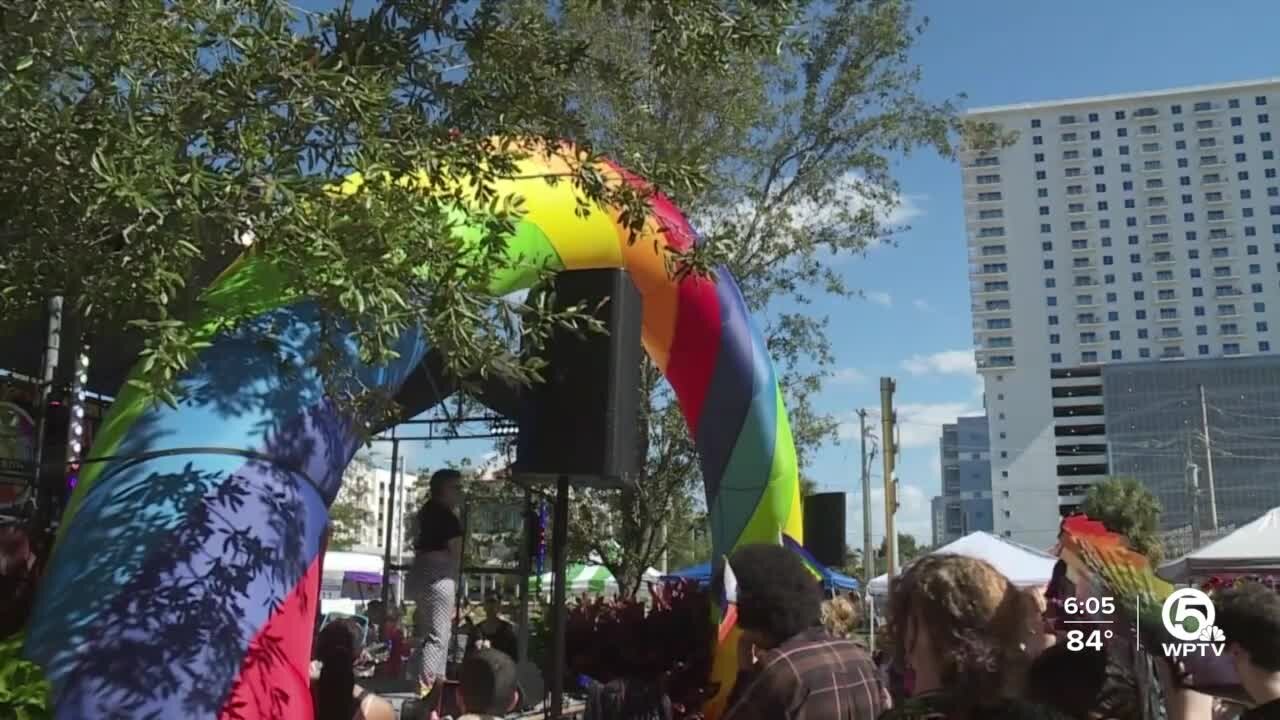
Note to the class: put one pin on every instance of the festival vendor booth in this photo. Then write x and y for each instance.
(350, 579)
(588, 580)
(832, 580)
(1251, 550)
(1024, 566)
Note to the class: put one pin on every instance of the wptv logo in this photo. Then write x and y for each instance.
(1188, 616)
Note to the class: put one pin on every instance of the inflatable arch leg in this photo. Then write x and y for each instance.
(184, 580)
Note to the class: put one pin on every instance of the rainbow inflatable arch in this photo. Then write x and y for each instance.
(184, 582)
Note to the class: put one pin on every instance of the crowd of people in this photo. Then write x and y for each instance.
(966, 643)
(962, 643)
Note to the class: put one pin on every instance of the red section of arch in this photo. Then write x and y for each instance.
(694, 350)
(275, 678)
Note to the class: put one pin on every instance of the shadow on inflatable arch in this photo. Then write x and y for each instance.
(185, 577)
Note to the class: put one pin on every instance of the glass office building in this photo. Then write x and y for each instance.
(1155, 430)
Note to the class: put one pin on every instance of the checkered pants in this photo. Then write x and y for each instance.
(436, 608)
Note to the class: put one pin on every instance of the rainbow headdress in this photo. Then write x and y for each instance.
(1100, 563)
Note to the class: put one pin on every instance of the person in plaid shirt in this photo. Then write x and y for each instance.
(795, 669)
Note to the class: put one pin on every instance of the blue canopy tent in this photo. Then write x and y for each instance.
(701, 573)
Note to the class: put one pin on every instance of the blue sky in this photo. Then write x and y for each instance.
(995, 52)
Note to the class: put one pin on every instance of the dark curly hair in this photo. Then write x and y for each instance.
(777, 595)
(976, 620)
(1249, 616)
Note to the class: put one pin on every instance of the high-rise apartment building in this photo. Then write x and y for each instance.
(1114, 229)
(368, 488)
(965, 504)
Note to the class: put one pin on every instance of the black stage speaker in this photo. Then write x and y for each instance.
(581, 422)
(824, 519)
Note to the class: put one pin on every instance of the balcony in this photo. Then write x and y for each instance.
(984, 310)
(979, 257)
(1216, 198)
(1230, 332)
(1168, 319)
(1165, 300)
(989, 291)
(980, 163)
(1089, 320)
(1206, 108)
(1163, 259)
(1207, 126)
(979, 199)
(1220, 220)
(1001, 362)
(986, 180)
(1162, 338)
(1220, 237)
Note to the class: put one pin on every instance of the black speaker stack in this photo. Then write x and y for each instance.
(824, 527)
(581, 422)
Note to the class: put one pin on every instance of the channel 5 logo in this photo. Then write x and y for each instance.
(1188, 616)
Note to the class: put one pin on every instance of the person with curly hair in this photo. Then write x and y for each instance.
(1249, 617)
(795, 668)
(960, 633)
(839, 618)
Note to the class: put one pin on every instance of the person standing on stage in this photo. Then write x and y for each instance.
(437, 559)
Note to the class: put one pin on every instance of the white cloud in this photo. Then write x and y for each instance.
(947, 362)
(920, 424)
(848, 376)
(914, 516)
(839, 203)
(879, 297)
(922, 305)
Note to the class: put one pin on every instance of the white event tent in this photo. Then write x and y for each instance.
(1252, 549)
(1024, 566)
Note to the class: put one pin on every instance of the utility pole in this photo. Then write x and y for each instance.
(868, 549)
(888, 420)
(1194, 473)
(1208, 460)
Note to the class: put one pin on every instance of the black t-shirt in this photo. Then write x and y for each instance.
(437, 525)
